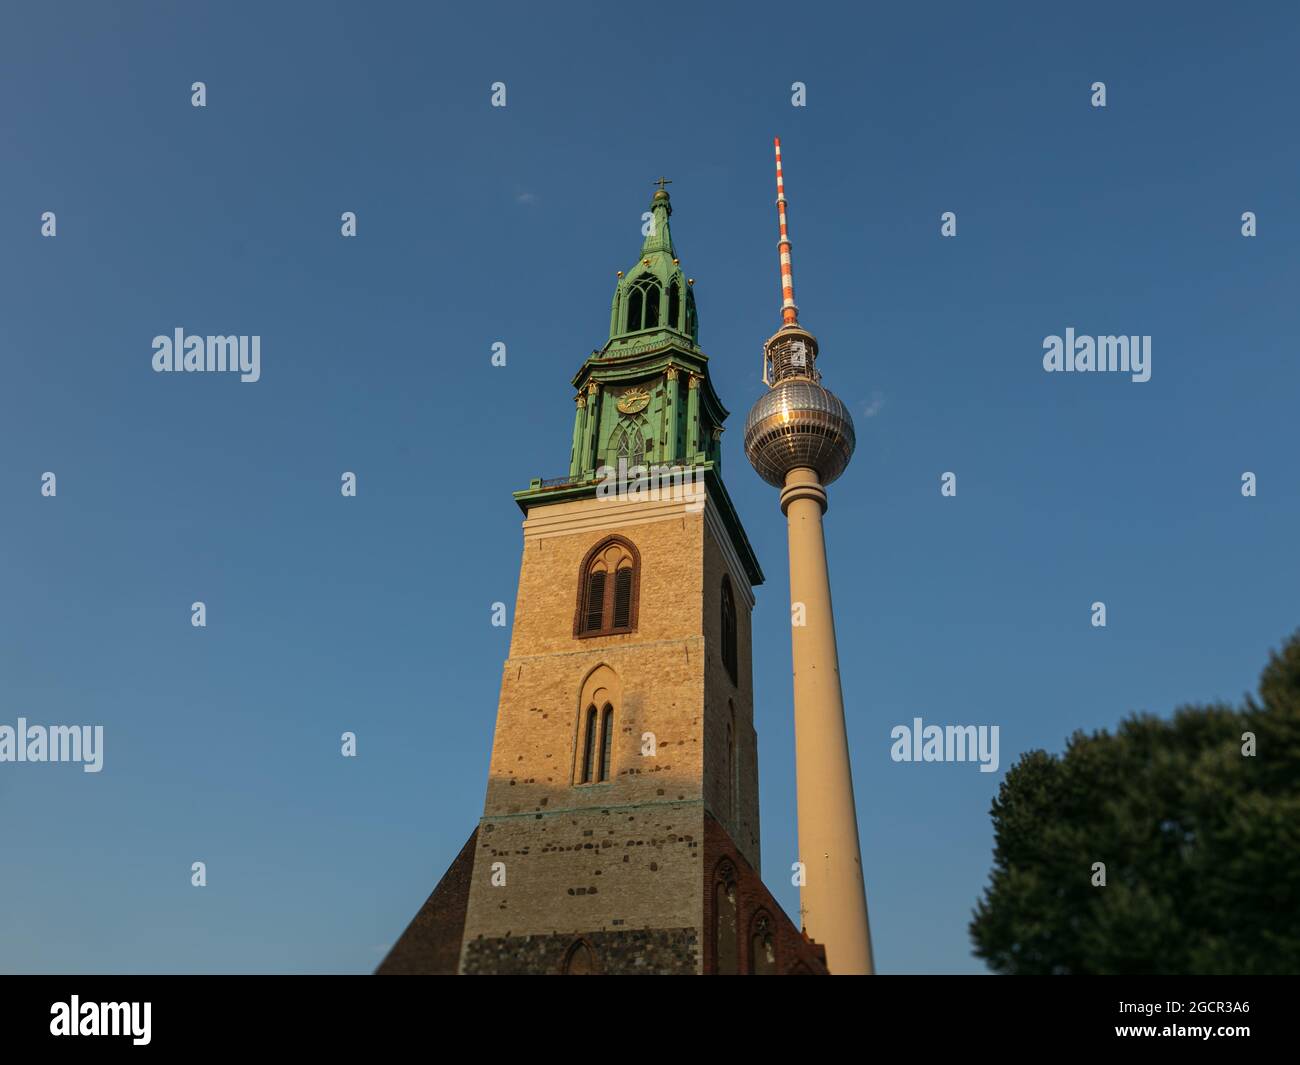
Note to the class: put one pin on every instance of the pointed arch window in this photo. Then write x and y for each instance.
(580, 960)
(762, 946)
(726, 942)
(643, 303)
(635, 300)
(608, 589)
(597, 745)
(651, 307)
(594, 760)
(729, 657)
(629, 446)
(675, 306)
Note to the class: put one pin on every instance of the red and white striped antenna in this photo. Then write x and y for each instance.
(789, 312)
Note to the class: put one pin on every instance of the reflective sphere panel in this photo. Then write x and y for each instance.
(799, 423)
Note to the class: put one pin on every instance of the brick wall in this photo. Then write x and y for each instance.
(624, 865)
(794, 953)
(666, 951)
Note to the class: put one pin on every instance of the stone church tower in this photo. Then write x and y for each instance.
(620, 831)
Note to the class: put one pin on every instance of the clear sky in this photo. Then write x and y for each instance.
(478, 225)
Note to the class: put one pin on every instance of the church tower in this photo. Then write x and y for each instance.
(620, 831)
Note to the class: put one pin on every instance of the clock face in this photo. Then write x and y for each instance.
(633, 401)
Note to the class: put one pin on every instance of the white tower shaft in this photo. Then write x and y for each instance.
(833, 899)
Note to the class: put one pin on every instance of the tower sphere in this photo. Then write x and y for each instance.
(797, 423)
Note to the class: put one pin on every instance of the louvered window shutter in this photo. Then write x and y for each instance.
(623, 598)
(596, 601)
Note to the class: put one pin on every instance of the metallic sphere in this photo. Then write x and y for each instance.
(799, 423)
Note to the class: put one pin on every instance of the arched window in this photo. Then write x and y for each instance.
(729, 630)
(579, 961)
(651, 307)
(597, 745)
(762, 946)
(726, 946)
(629, 446)
(643, 303)
(675, 306)
(608, 589)
(601, 695)
(692, 322)
(634, 301)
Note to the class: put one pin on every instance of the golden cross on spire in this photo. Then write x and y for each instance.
(661, 183)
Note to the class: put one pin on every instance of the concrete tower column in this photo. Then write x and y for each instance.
(833, 899)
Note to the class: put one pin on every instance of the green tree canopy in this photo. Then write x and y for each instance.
(1201, 845)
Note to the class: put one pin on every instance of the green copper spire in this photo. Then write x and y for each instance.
(654, 295)
(658, 236)
(644, 401)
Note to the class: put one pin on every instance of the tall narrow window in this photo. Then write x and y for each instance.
(762, 947)
(643, 303)
(633, 310)
(608, 589)
(629, 447)
(652, 307)
(622, 597)
(675, 306)
(595, 601)
(597, 704)
(606, 741)
(729, 630)
(726, 941)
(588, 745)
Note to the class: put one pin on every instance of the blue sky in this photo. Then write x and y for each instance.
(479, 225)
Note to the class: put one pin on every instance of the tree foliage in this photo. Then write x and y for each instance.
(1201, 845)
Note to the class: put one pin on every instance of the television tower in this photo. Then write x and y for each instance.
(799, 437)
